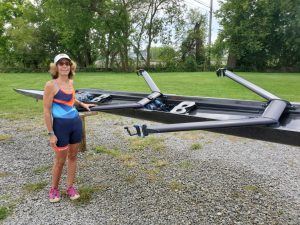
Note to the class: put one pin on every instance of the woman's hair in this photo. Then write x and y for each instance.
(54, 72)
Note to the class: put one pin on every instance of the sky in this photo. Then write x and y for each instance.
(204, 6)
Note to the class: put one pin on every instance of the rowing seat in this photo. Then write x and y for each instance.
(183, 107)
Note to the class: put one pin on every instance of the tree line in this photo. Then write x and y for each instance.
(260, 35)
(161, 35)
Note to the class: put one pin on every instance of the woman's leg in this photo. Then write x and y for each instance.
(59, 161)
(72, 159)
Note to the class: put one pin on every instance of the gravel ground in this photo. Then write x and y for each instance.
(180, 178)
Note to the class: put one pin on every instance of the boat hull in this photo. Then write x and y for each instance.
(206, 109)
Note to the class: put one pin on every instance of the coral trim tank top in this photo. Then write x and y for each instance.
(63, 104)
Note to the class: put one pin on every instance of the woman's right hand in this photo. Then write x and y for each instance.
(53, 140)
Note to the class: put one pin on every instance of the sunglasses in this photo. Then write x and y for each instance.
(67, 63)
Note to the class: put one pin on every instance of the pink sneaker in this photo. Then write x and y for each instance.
(72, 193)
(54, 195)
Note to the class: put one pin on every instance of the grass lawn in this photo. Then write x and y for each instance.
(13, 105)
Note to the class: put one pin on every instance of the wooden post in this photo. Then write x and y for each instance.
(82, 146)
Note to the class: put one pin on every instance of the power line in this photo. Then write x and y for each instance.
(202, 3)
(191, 4)
(197, 5)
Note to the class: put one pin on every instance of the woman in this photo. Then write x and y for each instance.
(63, 123)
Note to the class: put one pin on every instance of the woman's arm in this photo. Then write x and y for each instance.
(49, 93)
(82, 104)
(47, 102)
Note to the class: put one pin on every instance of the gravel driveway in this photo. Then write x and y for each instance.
(178, 178)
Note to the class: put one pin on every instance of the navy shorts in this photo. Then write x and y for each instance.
(67, 131)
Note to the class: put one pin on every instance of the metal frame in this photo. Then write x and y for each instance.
(270, 116)
(140, 104)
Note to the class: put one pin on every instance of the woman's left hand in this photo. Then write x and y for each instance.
(87, 106)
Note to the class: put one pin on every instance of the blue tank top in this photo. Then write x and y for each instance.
(63, 104)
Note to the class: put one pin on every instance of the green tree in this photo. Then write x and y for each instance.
(260, 34)
(166, 55)
(290, 30)
(140, 15)
(116, 30)
(75, 24)
(119, 26)
(162, 13)
(193, 44)
(22, 35)
(9, 11)
(218, 51)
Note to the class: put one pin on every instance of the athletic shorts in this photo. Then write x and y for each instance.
(67, 131)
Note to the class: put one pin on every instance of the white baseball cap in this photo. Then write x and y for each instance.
(61, 56)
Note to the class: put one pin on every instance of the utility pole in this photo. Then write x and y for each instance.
(209, 32)
(207, 61)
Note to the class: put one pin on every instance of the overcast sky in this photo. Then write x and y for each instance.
(204, 6)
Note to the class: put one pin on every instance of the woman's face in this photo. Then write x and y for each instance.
(63, 67)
